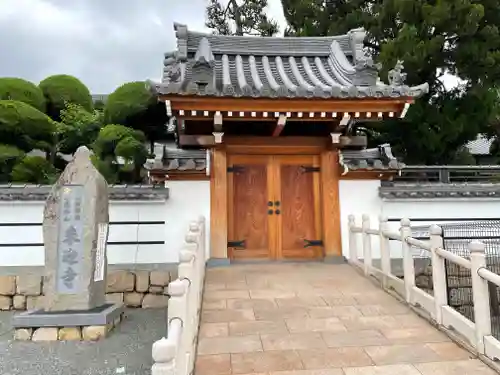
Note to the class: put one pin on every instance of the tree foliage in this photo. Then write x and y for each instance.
(459, 37)
(23, 91)
(62, 89)
(25, 127)
(9, 157)
(35, 170)
(245, 17)
(120, 153)
(133, 105)
(78, 127)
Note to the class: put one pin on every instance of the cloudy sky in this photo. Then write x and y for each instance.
(103, 42)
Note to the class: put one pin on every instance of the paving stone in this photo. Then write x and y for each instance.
(402, 369)
(219, 364)
(280, 341)
(263, 362)
(391, 354)
(467, 367)
(334, 357)
(214, 330)
(221, 316)
(354, 338)
(230, 344)
(257, 327)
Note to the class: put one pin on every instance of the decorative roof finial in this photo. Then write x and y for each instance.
(396, 77)
(172, 72)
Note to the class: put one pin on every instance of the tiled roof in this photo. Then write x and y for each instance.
(240, 66)
(169, 158)
(25, 192)
(439, 190)
(379, 158)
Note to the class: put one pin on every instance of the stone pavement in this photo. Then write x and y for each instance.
(127, 351)
(316, 319)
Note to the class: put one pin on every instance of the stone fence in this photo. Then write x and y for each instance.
(135, 288)
(474, 328)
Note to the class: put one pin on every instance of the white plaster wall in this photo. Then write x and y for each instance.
(358, 197)
(187, 201)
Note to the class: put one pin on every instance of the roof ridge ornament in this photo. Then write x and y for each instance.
(366, 71)
(395, 76)
(172, 68)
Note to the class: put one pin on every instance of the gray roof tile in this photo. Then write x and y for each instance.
(438, 190)
(27, 192)
(379, 158)
(169, 158)
(241, 66)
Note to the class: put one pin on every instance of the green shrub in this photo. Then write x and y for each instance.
(22, 91)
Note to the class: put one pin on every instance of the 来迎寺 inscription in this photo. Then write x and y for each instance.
(70, 239)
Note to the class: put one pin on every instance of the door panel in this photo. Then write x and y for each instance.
(299, 219)
(248, 210)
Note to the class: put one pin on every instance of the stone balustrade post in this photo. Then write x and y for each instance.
(480, 293)
(385, 252)
(164, 353)
(177, 309)
(367, 245)
(439, 282)
(353, 240)
(408, 265)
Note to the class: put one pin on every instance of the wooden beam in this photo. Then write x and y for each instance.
(197, 140)
(218, 122)
(196, 103)
(332, 240)
(280, 125)
(218, 205)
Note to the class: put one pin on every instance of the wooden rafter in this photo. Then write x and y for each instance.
(280, 125)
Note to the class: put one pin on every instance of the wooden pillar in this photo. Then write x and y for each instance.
(218, 205)
(330, 202)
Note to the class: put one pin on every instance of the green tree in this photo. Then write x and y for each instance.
(23, 91)
(25, 127)
(9, 156)
(459, 37)
(62, 89)
(134, 105)
(77, 127)
(245, 17)
(34, 170)
(120, 153)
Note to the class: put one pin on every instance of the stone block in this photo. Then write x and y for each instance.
(114, 298)
(424, 282)
(29, 285)
(45, 334)
(19, 302)
(94, 333)
(159, 278)
(23, 334)
(33, 303)
(154, 301)
(7, 285)
(141, 281)
(70, 334)
(5, 302)
(120, 281)
(156, 289)
(133, 299)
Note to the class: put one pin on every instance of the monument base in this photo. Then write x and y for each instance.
(89, 325)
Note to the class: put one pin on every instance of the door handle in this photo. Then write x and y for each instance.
(277, 203)
(270, 204)
(269, 212)
(277, 212)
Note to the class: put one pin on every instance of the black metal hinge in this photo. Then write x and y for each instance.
(308, 169)
(238, 244)
(309, 243)
(235, 169)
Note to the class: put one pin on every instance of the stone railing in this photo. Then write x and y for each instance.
(476, 335)
(175, 354)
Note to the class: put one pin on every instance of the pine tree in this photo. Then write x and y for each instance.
(246, 17)
(460, 37)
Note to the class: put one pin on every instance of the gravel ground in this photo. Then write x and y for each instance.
(126, 351)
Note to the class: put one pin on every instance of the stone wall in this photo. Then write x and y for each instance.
(135, 288)
(459, 286)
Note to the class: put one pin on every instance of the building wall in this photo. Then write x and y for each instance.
(137, 235)
(360, 197)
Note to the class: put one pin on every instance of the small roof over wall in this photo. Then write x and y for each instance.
(371, 159)
(269, 67)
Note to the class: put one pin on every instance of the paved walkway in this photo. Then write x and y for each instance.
(316, 319)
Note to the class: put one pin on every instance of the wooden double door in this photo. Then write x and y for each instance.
(274, 207)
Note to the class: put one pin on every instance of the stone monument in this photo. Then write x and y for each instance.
(75, 232)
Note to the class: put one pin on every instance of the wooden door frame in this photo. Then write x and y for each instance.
(329, 184)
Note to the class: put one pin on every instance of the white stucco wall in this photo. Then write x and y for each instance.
(187, 201)
(360, 197)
